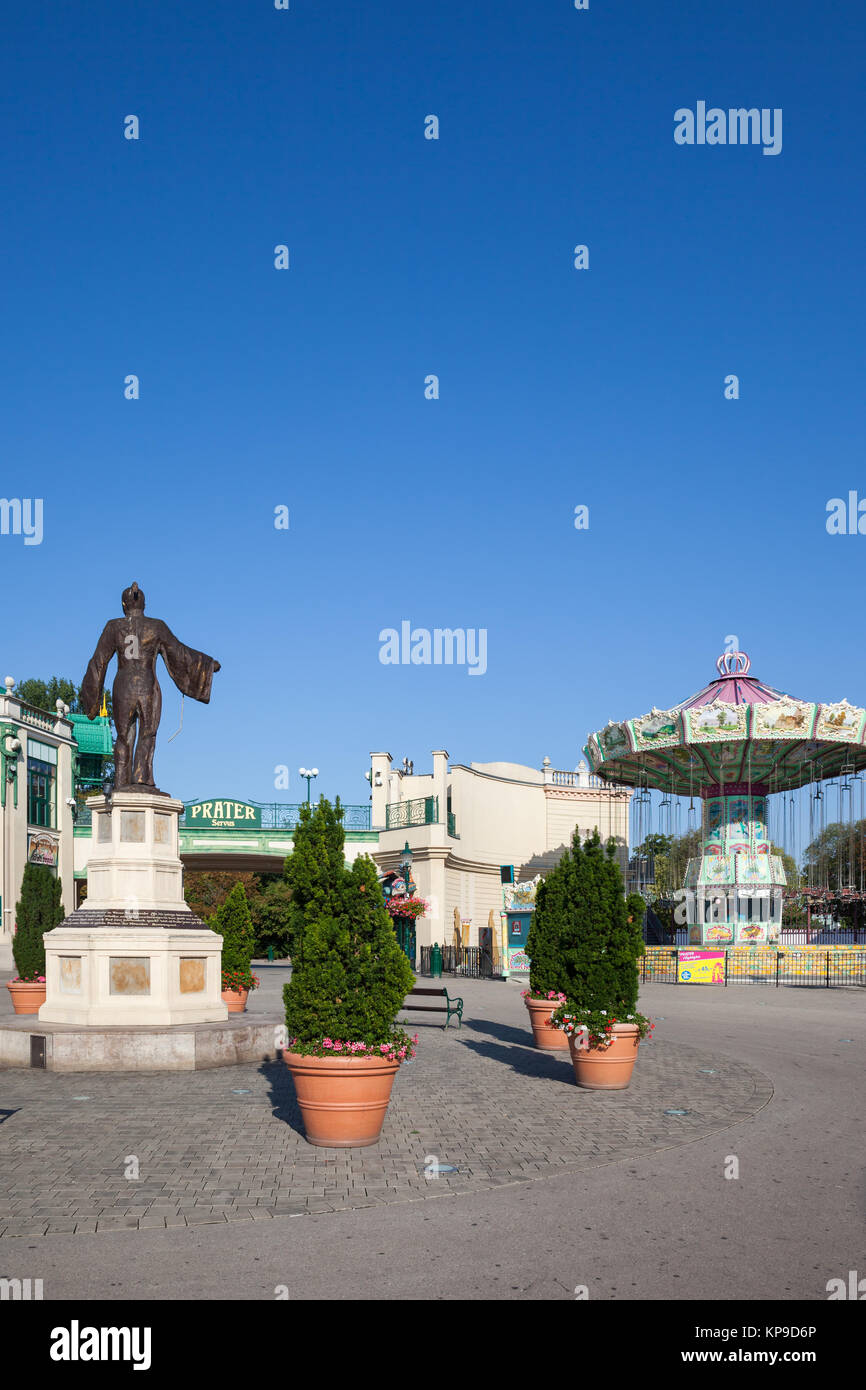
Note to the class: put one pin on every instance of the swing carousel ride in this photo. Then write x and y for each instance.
(735, 746)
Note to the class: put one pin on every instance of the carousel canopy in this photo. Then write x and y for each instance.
(736, 732)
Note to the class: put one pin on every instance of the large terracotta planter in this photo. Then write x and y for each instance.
(235, 1000)
(605, 1068)
(550, 1039)
(343, 1100)
(26, 998)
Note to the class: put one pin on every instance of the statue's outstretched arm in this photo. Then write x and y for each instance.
(90, 696)
(191, 671)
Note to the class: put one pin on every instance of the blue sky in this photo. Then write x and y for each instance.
(409, 257)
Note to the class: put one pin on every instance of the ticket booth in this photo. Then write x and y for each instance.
(517, 924)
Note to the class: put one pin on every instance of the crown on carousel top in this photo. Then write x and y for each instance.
(733, 664)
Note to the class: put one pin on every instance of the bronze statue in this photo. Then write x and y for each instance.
(137, 641)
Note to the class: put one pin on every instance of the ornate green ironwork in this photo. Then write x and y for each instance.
(423, 811)
(276, 815)
(9, 760)
(452, 826)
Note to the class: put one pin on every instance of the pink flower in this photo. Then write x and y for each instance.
(326, 1042)
(338, 1047)
(384, 1047)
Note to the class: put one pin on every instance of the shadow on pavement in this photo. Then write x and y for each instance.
(528, 1062)
(505, 1032)
(284, 1104)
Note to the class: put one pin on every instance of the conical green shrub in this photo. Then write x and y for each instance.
(39, 909)
(233, 922)
(547, 924)
(349, 976)
(600, 946)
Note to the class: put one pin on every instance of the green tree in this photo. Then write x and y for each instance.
(205, 890)
(315, 869)
(39, 909)
(789, 864)
(45, 694)
(544, 940)
(663, 874)
(837, 856)
(655, 844)
(635, 908)
(270, 909)
(600, 945)
(349, 976)
(233, 922)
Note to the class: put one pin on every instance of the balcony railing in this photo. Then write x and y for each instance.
(572, 779)
(276, 815)
(401, 814)
(452, 826)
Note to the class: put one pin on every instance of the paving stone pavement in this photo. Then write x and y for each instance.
(227, 1144)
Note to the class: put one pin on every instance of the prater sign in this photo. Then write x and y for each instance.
(222, 815)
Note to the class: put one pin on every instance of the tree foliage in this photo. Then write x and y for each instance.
(233, 922)
(544, 940)
(829, 861)
(349, 976)
(599, 945)
(39, 909)
(45, 694)
(207, 889)
(270, 908)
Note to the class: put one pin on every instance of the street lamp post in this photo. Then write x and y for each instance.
(309, 774)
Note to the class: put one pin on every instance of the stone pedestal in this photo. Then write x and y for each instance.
(133, 953)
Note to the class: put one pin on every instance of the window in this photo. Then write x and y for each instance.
(41, 784)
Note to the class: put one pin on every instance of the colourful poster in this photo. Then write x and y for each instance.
(721, 933)
(701, 967)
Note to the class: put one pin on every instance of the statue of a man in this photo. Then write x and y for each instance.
(137, 641)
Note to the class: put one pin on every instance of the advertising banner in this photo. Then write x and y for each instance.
(700, 967)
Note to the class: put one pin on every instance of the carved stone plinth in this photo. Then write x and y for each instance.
(133, 953)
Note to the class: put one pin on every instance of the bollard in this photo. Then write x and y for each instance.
(436, 960)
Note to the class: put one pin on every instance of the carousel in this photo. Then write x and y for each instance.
(745, 752)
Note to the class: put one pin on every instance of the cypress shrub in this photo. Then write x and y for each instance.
(315, 870)
(349, 976)
(233, 922)
(544, 940)
(636, 909)
(38, 910)
(600, 946)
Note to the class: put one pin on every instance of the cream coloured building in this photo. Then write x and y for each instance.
(37, 752)
(462, 823)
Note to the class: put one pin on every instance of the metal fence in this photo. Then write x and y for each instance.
(765, 965)
(460, 960)
(789, 936)
(823, 936)
(275, 815)
(424, 810)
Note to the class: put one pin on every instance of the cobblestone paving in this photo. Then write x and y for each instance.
(227, 1144)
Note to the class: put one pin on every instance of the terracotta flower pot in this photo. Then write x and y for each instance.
(605, 1068)
(27, 998)
(343, 1100)
(236, 999)
(550, 1039)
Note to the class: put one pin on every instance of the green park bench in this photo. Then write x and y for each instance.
(451, 1006)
